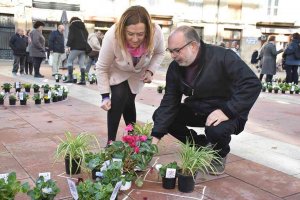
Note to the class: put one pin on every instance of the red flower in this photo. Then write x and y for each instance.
(129, 128)
(143, 138)
(136, 149)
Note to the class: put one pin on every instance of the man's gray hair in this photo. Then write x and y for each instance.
(190, 33)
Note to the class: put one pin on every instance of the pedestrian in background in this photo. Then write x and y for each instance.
(268, 55)
(131, 52)
(18, 44)
(57, 48)
(37, 47)
(77, 43)
(235, 47)
(94, 40)
(291, 61)
(28, 60)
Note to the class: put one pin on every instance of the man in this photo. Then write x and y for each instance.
(18, 44)
(235, 48)
(220, 90)
(94, 41)
(57, 48)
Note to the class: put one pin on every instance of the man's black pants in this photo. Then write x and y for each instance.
(219, 136)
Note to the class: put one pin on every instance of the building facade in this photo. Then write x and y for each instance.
(247, 22)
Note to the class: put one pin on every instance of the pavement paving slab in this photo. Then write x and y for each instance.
(11, 135)
(10, 164)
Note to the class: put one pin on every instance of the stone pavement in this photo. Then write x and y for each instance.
(264, 162)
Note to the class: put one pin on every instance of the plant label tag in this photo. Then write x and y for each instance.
(46, 175)
(99, 174)
(56, 76)
(40, 94)
(73, 189)
(4, 176)
(116, 190)
(21, 96)
(17, 85)
(60, 92)
(105, 165)
(49, 94)
(117, 160)
(90, 77)
(170, 173)
(293, 88)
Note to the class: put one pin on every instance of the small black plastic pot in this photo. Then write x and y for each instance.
(74, 80)
(94, 173)
(18, 89)
(159, 91)
(23, 102)
(263, 89)
(75, 169)
(168, 183)
(270, 90)
(46, 91)
(297, 92)
(92, 82)
(12, 102)
(186, 183)
(38, 101)
(1, 101)
(27, 90)
(275, 91)
(57, 80)
(35, 90)
(47, 100)
(59, 98)
(6, 90)
(54, 99)
(291, 92)
(283, 92)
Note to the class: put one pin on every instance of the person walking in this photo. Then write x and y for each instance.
(77, 43)
(28, 60)
(18, 44)
(291, 61)
(268, 55)
(131, 52)
(57, 48)
(37, 47)
(94, 40)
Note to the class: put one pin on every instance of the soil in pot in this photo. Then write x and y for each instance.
(23, 102)
(75, 169)
(38, 101)
(12, 102)
(186, 183)
(27, 90)
(168, 183)
(1, 101)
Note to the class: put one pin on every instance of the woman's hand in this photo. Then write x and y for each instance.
(106, 104)
(147, 77)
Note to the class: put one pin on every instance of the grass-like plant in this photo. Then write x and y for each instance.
(75, 147)
(27, 85)
(144, 129)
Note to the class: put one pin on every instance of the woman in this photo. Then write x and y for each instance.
(268, 54)
(28, 61)
(77, 41)
(131, 52)
(291, 62)
(94, 41)
(37, 47)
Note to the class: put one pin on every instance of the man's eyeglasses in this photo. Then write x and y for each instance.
(176, 51)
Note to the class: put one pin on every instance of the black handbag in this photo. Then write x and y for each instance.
(88, 48)
(93, 54)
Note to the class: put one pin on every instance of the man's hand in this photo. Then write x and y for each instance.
(215, 118)
(147, 77)
(106, 104)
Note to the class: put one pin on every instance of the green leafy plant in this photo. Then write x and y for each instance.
(194, 159)
(160, 88)
(95, 160)
(10, 187)
(37, 96)
(2, 96)
(35, 86)
(6, 86)
(46, 87)
(43, 190)
(12, 97)
(75, 147)
(163, 169)
(27, 85)
(142, 129)
(89, 190)
(25, 96)
(112, 174)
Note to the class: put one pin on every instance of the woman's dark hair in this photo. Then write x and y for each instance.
(296, 36)
(271, 38)
(38, 24)
(74, 18)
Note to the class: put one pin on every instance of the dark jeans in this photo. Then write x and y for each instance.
(19, 61)
(122, 102)
(291, 73)
(268, 78)
(90, 62)
(28, 64)
(37, 64)
(219, 136)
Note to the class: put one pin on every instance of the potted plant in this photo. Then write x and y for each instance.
(113, 174)
(65, 92)
(11, 186)
(74, 78)
(46, 99)
(194, 159)
(37, 98)
(18, 86)
(270, 88)
(54, 96)
(43, 190)
(36, 88)
(2, 96)
(94, 190)
(283, 89)
(46, 88)
(160, 89)
(27, 87)
(276, 89)
(292, 89)
(57, 77)
(23, 96)
(12, 99)
(94, 162)
(168, 173)
(297, 89)
(6, 87)
(73, 150)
